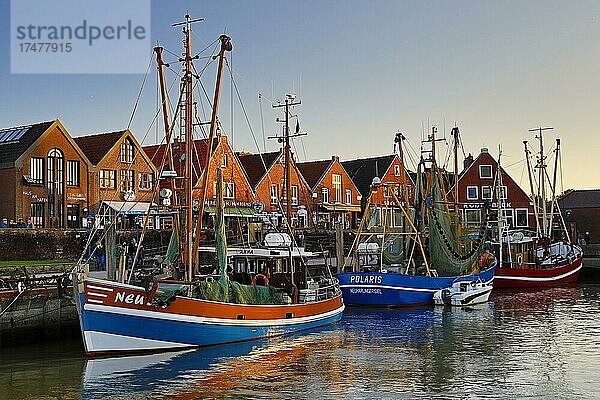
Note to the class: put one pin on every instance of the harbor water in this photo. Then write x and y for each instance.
(542, 343)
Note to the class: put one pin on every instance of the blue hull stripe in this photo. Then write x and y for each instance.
(389, 289)
(189, 333)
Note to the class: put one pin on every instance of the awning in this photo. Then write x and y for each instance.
(130, 207)
(341, 207)
(246, 212)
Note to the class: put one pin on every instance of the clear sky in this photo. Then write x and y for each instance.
(363, 70)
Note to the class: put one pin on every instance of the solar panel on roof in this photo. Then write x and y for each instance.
(19, 134)
(5, 135)
(13, 134)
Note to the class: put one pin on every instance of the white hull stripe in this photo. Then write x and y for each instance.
(395, 287)
(99, 288)
(101, 341)
(535, 279)
(96, 294)
(208, 320)
(110, 283)
(95, 301)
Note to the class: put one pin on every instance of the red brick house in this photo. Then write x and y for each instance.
(122, 176)
(476, 185)
(266, 175)
(238, 194)
(387, 168)
(335, 197)
(44, 176)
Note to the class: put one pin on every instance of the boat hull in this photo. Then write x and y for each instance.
(391, 289)
(538, 277)
(478, 296)
(122, 322)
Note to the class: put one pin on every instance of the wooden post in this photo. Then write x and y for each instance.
(339, 246)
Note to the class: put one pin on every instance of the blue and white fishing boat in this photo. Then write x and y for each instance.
(408, 248)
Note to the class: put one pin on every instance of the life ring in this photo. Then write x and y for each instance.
(264, 279)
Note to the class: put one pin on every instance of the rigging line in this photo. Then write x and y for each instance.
(280, 206)
(137, 100)
(303, 149)
(96, 227)
(204, 42)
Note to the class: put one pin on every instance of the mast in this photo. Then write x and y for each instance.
(455, 134)
(553, 187)
(189, 143)
(165, 111)
(541, 165)
(225, 46)
(289, 102)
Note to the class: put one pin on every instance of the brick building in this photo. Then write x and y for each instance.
(477, 184)
(266, 175)
(238, 193)
(121, 176)
(335, 197)
(387, 168)
(581, 211)
(44, 176)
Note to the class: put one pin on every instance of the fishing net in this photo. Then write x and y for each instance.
(452, 252)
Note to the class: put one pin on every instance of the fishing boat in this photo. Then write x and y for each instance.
(405, 251)
(463, 293)
(546, 256)
(196, 310)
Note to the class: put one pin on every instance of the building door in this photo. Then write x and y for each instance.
(73, 216)
(55, 189)
(37, 214)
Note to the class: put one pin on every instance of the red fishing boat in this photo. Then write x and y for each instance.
(546, 256)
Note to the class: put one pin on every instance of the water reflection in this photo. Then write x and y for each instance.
(525, 344)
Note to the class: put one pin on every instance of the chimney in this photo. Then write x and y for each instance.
(335, 158)
(484, 150)
(468, 161)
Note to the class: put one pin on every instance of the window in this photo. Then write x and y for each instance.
(274, 193)
(224, 161)
(108, 179)
(228, 190)
(397, 170)
(325, 192)
(522, 217)
(503, 194)
(127, 151)
(472, 216)
(486, 192)
(337, 186)
(472, 193)
(72, 173)
(348, 196)
(37, 214)
(294, 195)
(126, 180)
(485, 171)
(145, 181)
(508, 217)
(36, 170)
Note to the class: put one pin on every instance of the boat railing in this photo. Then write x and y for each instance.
(326, 291)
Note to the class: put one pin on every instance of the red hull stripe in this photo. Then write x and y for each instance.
(507, 277)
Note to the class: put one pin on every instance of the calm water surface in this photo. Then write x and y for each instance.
(532, 344)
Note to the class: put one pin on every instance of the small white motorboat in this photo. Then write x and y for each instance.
(463, 293)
